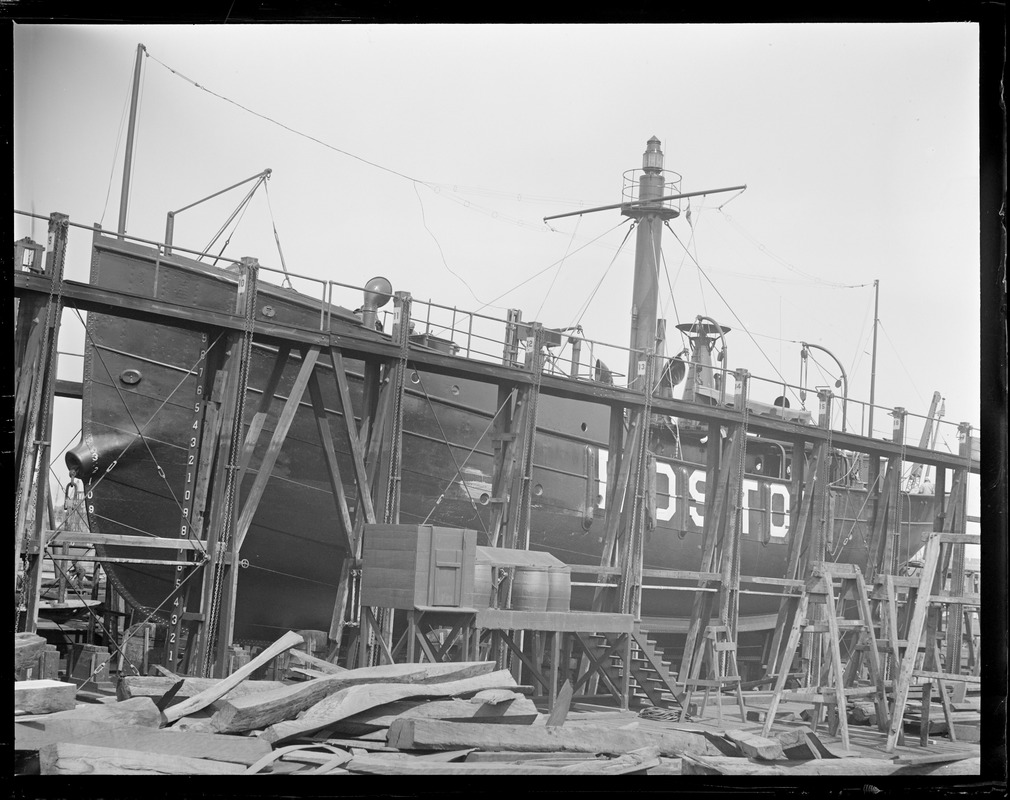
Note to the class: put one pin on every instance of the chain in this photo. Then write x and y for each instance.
(235, 445)
(54, 307)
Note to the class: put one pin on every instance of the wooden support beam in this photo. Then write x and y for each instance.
(262, 411)
(429, 734)
(357, 447)
(266, 467)
(332, 466)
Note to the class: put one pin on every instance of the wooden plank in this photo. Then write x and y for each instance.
(520, 711)
(624, 764)
(43, 696)
(424, 734)
(936, 756)
(222, 687)
(65, 758)
(724, 765)
(156, 686)
(260, 415)
(356, 699)
(332, 465)
(481, 756)
(357, 449)
(258, 711)
(316, 663)
(566, 621)
(160, 542)
(266, 466)
(753, 746)
(561, 706)
(135, 711)
(169, 742)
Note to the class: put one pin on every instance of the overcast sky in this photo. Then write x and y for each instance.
(858, 144)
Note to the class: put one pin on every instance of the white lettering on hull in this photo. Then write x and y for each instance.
(680, 500)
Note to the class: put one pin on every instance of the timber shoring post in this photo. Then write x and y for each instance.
(36, 447)
(219, 625)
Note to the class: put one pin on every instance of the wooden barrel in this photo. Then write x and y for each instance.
(559, 580)
(530, 589)
(482, 576)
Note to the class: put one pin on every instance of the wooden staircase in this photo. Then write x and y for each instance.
(651, 681)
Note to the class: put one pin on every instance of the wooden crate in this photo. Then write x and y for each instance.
(406, 566)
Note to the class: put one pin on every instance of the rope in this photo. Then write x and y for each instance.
(287, 280)
(561, 264)
(599, 283)
(735, 316)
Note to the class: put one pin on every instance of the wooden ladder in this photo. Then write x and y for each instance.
(718, 649)
(820, 589)
(931, 596)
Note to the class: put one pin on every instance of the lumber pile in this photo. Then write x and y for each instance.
(464, 718)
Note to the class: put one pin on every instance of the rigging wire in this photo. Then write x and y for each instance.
(273, 223)
(115, 155)
(585, 306)
(538, 273)
(673, 300)
(561, 264)
(285, 127)
(445, 263)
(743, 327)
(778, 259)
(898, 356)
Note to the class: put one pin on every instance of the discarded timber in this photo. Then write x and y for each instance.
(27, 649)
(43, 696)
(156, 686)
(561, 706)
(222, 687)
(213, 746)
(318, 755)
(754, 746)
(725, 765)
(423, 734)
(316, 663)
(355, 699)
(267, 708)
(513, 756)
(35, 734)
(520, 711)
(66, 758)
(637, 761)
(137, 711)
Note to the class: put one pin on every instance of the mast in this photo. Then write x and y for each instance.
(873, 361)
(650, 210)
(124, 197)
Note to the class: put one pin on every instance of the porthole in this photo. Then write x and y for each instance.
(415, 378)
(454, 389)
(538, 489)
(584, 427)
(268, 311)
(130, 376)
